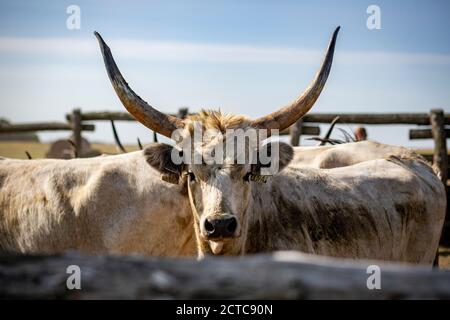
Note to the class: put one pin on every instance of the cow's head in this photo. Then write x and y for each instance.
(218, 157)
(219, 173)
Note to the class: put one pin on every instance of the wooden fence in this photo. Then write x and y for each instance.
(280, 275)
(433, 126)
(77, 118)
(41, 126)
(433, 123)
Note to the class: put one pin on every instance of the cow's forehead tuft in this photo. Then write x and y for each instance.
(211, 119)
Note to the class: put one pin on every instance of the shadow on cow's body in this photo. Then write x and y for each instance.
(382, 210)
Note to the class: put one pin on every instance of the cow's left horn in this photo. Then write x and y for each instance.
(288, 115)
(147, 115)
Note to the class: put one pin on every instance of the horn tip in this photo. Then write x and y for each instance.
(336, 31)
(98, 36)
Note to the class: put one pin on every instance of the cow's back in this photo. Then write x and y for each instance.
(391, 209)
(98, 205)
(342, 155)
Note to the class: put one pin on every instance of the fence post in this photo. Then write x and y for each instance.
(76, 128)
(296, 132)
(440, 158)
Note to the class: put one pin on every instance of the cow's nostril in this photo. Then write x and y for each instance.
(232, 225)
(220, 227)
(209, 226)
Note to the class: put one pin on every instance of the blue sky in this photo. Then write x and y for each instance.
(245, 57)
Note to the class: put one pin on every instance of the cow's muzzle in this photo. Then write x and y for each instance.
(220, 227)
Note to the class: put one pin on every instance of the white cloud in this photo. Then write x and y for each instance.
(185, 51)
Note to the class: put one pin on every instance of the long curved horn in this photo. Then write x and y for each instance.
(116, 137)
(328, 134)
(141, 110)
(139, 144)
(288, 115)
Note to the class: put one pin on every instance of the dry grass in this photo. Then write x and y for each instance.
(12, 149)
(16, 149)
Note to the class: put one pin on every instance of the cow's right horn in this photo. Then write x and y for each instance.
(285, 117)
(141, 110)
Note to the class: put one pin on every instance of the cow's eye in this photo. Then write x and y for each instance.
(191, 175)
(255, 178)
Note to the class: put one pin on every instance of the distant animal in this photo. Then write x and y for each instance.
(65, 149)
(360, 134)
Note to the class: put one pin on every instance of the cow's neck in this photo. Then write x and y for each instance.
(274, 220)
(306, 210)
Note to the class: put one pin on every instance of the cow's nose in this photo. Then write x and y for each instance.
(220, 227)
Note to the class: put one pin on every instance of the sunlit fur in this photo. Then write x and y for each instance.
(212, 119)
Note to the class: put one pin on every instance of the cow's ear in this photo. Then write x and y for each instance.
(281, 152)
(159, 156)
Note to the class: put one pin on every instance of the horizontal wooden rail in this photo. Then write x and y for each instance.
(124, 116)
(424, 134)
(98, 116)
(355, 118)
(281, 275)
(43, 126)
(373, 118)
(306, 130)
(115, 116)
